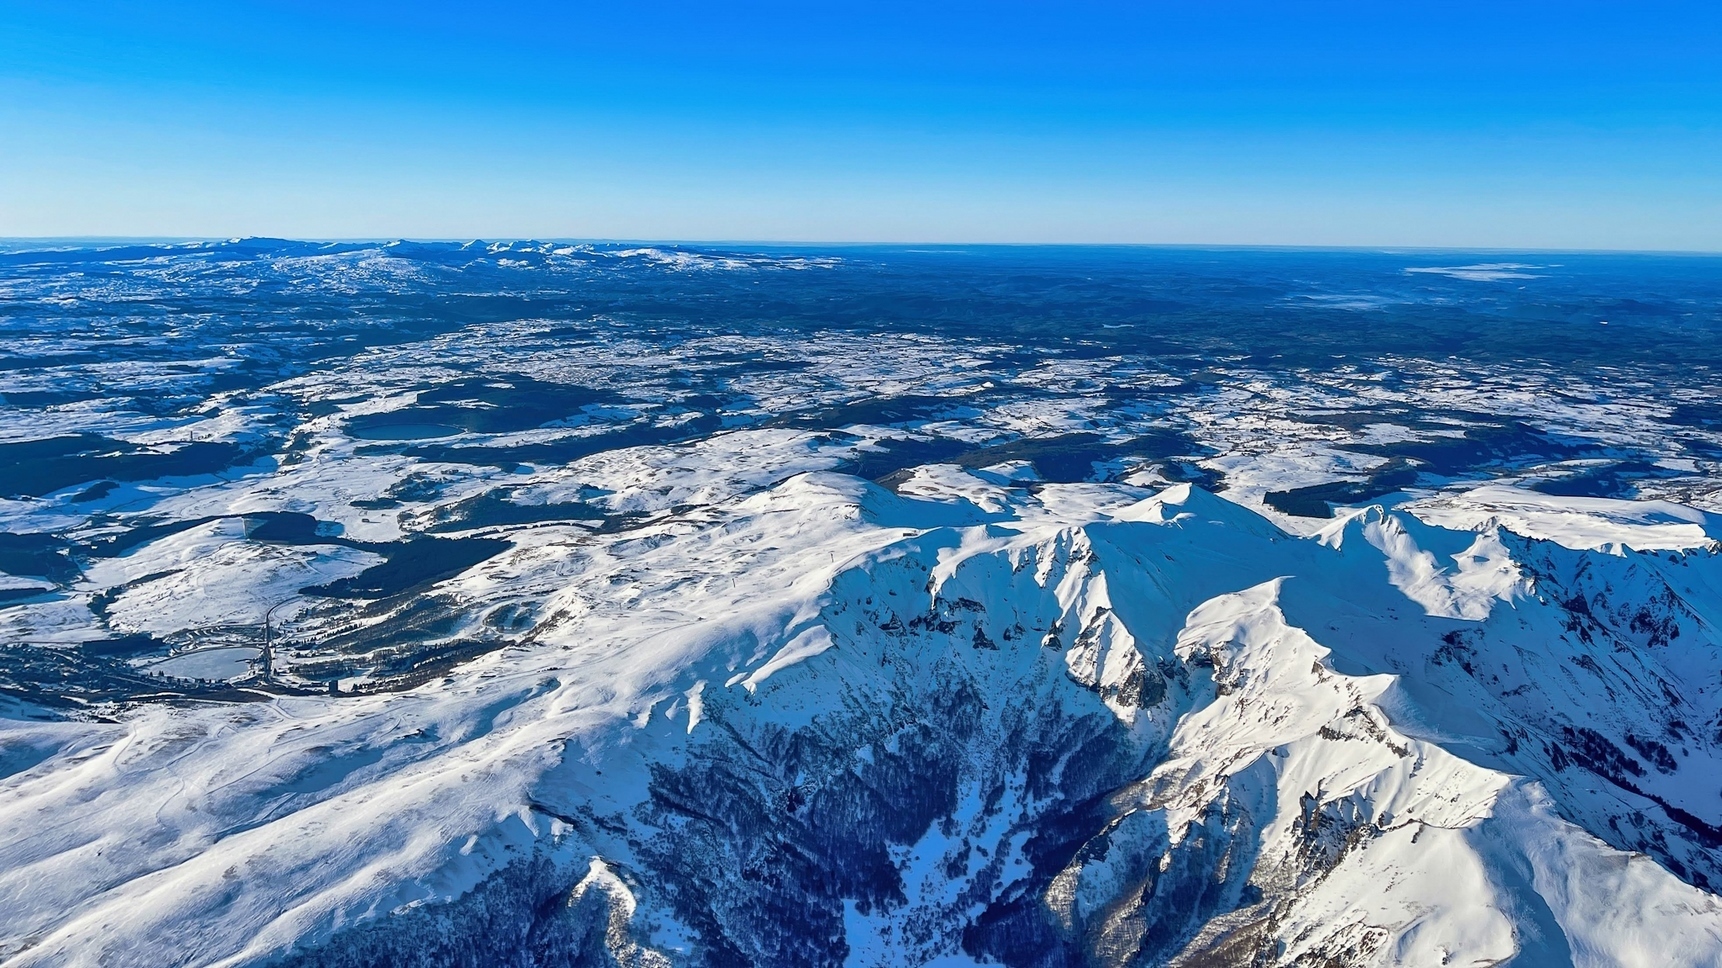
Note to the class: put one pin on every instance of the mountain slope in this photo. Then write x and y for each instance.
(974, 721)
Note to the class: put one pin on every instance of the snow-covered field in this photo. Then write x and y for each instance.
(792, 632)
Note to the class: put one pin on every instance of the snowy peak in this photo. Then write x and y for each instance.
(971, 719)
(1436, 568)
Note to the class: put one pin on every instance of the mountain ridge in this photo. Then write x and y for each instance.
(1173, 674)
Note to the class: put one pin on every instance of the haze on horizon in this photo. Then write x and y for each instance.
(1529, 125)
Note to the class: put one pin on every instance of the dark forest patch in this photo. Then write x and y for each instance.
(484, 405)
(492, 509)
(1318, 500)
(1062, 459)
(37, 556)
(1512, 444)
(413, 563)
(37, 467)
(1619, 480)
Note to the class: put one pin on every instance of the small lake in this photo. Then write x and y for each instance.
(226, 662)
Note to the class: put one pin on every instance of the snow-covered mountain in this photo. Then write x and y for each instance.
(530, 642)
(826, 724)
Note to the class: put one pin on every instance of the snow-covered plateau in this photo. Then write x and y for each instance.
(540, 605)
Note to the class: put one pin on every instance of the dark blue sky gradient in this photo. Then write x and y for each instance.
(1508, 124)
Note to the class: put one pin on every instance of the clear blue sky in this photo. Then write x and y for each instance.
(1530, 124)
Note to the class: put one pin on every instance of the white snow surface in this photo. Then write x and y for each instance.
(1377, 794)
(1584, 523)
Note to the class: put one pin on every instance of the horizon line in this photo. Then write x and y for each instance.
(97, 241)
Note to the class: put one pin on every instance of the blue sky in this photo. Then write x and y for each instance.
(1569, 125)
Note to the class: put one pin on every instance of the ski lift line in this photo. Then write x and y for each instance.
(266, 659)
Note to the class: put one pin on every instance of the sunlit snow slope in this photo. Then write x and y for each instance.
(825, 723)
